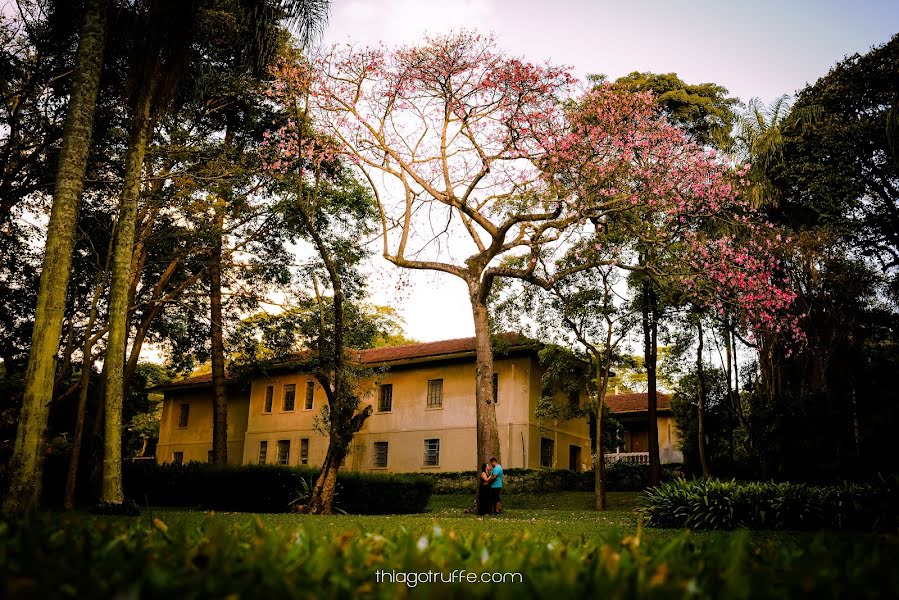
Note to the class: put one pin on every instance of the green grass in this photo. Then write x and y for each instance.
(560, 546)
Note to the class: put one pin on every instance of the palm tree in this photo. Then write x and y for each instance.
(26, 466)
(759, 140)
(168, 30)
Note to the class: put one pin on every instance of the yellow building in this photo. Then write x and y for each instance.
(423, 414)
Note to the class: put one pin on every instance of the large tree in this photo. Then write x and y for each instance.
(26, 465)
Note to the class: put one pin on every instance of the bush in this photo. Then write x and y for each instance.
(620, 477)
(268, 488)
(715, 504)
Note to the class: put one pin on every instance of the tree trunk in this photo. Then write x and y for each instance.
(487, 431)
(322, 500)
(599, 481)
(111, 491)
(700, 405)
(219, 399)
(650, 361)
(26, 465)
(87, 366)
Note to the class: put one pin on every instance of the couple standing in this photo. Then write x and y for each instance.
(491, 488)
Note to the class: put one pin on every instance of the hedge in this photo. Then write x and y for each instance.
(269, 488)
(620, 477)
(715, 504)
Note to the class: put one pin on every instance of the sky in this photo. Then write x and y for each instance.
(755, 49)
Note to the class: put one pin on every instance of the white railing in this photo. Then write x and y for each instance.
(640, 458)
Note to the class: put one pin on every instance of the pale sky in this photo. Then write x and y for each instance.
(758, 48)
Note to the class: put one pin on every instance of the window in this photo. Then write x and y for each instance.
(269, 396)
(177, 458)
(432, 453)
(304, 451)
(290, 396)
(380, 458)
(435, 393)
(210, 456)
(385, 398)
(495, 388)
(263, 451)
(183, 414)
(547, 447)
(310, 392)
(283, 452)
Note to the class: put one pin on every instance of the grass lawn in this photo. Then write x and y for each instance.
(556, 543)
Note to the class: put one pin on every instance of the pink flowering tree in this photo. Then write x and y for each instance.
(481, 171)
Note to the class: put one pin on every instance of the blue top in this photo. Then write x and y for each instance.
(498, 473)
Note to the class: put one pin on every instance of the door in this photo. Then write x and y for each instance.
(574, 458)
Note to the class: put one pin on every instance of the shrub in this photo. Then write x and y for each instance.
(715, 504)
(620, 477)
(268, 488)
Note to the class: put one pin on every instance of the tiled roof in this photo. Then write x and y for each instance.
(635, 402)
(432, 349)
(397, 354)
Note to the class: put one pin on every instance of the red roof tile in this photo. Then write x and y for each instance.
(636, 402)
(433, 349)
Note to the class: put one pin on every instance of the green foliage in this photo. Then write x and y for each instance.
(704, 111)
(268, 488)
(172, 555)
(715, 504)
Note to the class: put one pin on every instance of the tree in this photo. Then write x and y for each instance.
(331, 211)
(26, 465)
(582, 310)
(164, 50)
(705, 114)
(456, 129)
(704, 111)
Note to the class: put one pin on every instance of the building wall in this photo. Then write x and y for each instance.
(195, 440)
(405, 427)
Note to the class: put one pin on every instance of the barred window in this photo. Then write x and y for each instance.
(283, 452)
(269, 396)
(183, 415)
(380, 458)
(495, 388)
(432, 453)
(177, 458)
(547, 449)
(385, 398)
(263, 452)
(435, 393)
(304, 451)
(290, 396)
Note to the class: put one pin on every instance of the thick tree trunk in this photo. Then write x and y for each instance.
(322, 500)
(700, 404)
(487, 431)
(26, 465)
(650, 360)
(111, 491)
(219, 399)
